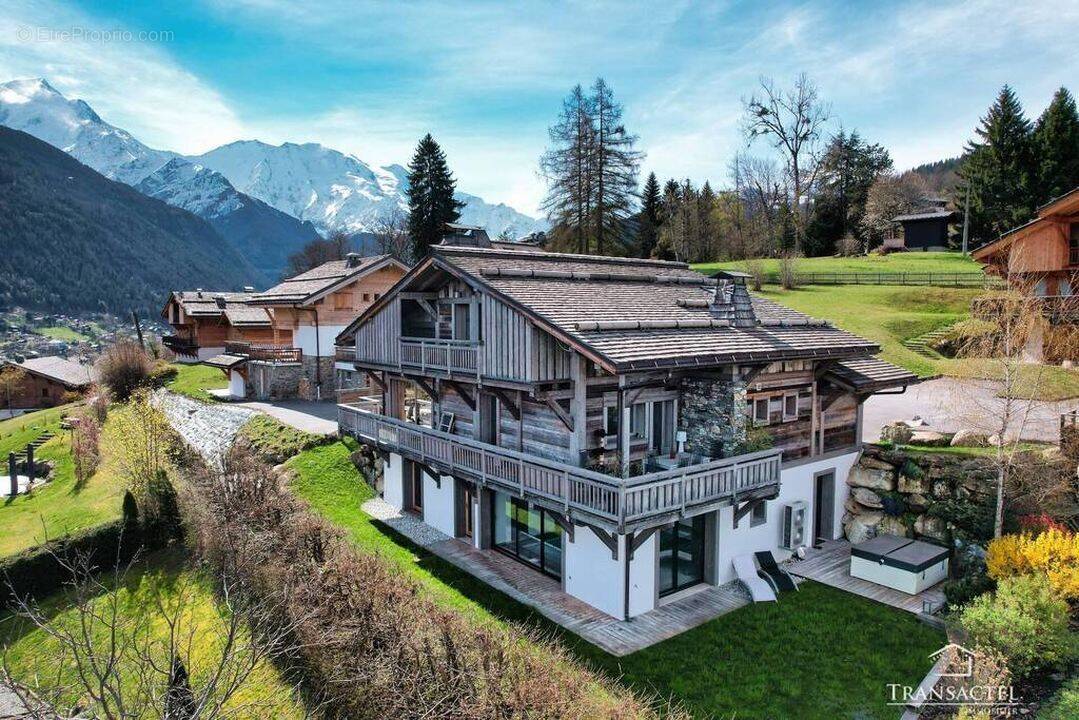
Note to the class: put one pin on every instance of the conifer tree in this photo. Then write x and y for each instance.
(616, 165)
(430, 197)
(650, 216)
(1056, 142)
(998, 169)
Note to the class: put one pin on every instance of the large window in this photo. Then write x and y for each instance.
(681, 555)
(527, 533)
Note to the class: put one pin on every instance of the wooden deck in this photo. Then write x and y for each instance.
(830, 565)
(617, 637)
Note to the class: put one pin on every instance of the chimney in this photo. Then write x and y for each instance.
(731, 301)
(249, 288)
(198, 292)
(220, 300)
(352, 260)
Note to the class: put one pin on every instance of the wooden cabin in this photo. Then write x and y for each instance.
(203, 322)
(46, 382)
(624, 427)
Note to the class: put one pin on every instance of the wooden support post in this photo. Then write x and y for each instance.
(609, 539)
(560, 411)
(30, 462)
(579, 407)
(13, 473)
(624, 414)
(512, 407)
(466, 396)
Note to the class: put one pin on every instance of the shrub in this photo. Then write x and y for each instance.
(85, 439)
(123, 368)
(1024, 621)
(962, 590)
(849, 246)
(755, 268)
(1053, 553)
(98, 402)
(788, 272)
(1065, 704)
(161, 372)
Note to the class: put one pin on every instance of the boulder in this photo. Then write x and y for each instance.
(898, 433)
(917, 501)
(941, 490)
(872, 478)
(911, 484)
(875, 463)
(893, 526)
(866, 497)
(932, 527)
(862, 526)
(929, 438)
(969, 438)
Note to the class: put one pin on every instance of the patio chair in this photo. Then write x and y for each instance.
(781, 579)
(759, 589)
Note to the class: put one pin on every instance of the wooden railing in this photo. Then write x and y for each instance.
(344, 353)
(935, 279)
(459, 356)
(180, 344)
(269, 353)
(620, 503)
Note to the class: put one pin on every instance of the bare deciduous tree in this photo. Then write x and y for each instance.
(11, 379)
(163, 663)
(793, 121)
(391, 235)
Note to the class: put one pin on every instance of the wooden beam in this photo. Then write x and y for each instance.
(507, 402)
(376, 379)
(463, 392)
(562, 521)
(607, 538)
(560, 411)
(752, 371)
(426, 386)
(428, 308)
(634, 540)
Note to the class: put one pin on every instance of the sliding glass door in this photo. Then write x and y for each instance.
(527, 533)
(681, 555)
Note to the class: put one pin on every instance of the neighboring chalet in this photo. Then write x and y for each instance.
(48, 381)
(926, 229)
(269, 342)
(458, 235)
(626, 427)
(1041, 259)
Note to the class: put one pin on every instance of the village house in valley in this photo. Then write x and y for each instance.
(268, 342)
(626, 428)
(48, 381)
(1041, 259)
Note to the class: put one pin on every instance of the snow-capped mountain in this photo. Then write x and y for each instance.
(192, 187)
(328, 188)
(35, 107)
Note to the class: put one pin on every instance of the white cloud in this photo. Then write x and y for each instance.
(131, 83)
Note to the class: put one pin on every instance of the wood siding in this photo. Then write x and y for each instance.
(1043, 249)
(377, 339)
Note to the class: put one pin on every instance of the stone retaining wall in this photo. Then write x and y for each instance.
(892, 492)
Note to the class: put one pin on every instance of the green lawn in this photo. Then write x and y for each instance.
(162, 576)
(951, 262)
(59, 332)
(60, 506)
(819, 653)
(194, 380)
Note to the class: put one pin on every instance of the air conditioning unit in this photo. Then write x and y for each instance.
(794, 525)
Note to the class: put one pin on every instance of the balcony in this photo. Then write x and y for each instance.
(267, 353)
(181, 344)
(585, 495)
(448, 356)
(344, 353)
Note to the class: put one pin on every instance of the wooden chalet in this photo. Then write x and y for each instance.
(203, 322)
(48, 381)
(625, 426)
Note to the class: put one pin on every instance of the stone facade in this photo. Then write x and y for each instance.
(893, 492)
(315, 368)
(714, 416)
(276, 381)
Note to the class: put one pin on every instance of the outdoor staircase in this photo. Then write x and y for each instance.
(922, 344)
(42, 439)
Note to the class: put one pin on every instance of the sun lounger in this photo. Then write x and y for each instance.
(759, 589)
(781, 579)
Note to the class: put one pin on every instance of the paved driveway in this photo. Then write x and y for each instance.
(313, 417)
(949, 404)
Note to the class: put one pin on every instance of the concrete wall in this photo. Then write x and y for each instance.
(393, 479)
(237, 384)
(592, 575)
(797, 483)
(438, 509)
(304, 338)
(643, 571)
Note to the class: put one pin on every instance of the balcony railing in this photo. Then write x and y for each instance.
(344, 353)
(269, 353)
(181, 344)
(621, 504)
(448, 356)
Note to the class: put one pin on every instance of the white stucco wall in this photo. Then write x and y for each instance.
(591, 574)
(393, 479)
(237, 385)
(205, 353)
(796, 483)
(642, 577)
(438, 504)
(304, 338)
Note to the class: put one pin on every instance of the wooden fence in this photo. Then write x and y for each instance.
(934, 279)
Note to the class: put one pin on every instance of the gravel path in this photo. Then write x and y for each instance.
(209, 428)
(408, 525)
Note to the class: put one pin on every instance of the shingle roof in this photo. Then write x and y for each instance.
(62, 370)
(233, 306)
(870, 374)
(924, 215)
(617, 306)
(307, 286)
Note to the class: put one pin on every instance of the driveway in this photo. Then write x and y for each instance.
(949, 404)
(313, 417)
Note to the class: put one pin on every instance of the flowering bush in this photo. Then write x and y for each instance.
(1039, 523)
(1053, 553)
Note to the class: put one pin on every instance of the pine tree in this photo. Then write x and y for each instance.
(706, 205)
(650, 216)
(847, 171)
(567, 167)
(1056, 142)
(430, 197)
(998, 169)
(616, 165)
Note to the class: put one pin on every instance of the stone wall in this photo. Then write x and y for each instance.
(713, 415)
(267, 380)
(893, 492)
(315, 367)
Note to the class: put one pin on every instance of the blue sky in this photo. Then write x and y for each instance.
(487, 78)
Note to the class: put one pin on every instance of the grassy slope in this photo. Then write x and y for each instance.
(32, 652)
(59, 332)
(894, 262)
(797, 658)
(194, 380)
(61, 506)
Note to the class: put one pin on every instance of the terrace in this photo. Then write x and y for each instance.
(265, 352)
(587, 496)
